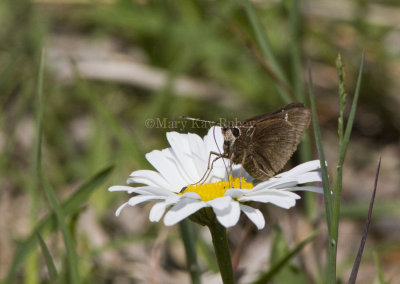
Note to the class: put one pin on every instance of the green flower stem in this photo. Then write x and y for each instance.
(221, 248)
(189, 241)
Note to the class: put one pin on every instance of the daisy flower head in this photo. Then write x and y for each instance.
(173, 189)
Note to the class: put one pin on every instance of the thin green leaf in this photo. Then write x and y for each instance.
(266, 49)
(50, 195)
(305, 148)
(278, 245)
(295, 50)
(338, 187)
(332, 242)
(32, 262)
(354, 271)
(342, 96)
(349, 125)
(320, 149)
(48, 223)
(189, 242)
(39, 117)
(267, 276)
(72, 258)
(53, 275)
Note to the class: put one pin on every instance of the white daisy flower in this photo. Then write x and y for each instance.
(184, 164)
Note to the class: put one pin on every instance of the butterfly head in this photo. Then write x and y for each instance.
(230, 135)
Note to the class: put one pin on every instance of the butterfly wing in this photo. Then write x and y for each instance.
(275, 139)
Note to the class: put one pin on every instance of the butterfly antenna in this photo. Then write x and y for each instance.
(200, 120)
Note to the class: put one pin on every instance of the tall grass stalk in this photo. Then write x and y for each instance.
(265, 46)
(51, 197)
(332, 198)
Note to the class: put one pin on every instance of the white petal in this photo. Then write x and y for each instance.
(159, 208)
(276, 198)
(271, 183)
(285, 183)
(289, 181)
(254, 215)
(120, 208)
(133, 201)
(236, 192)
(214, 135)
(143, 190)
(157, 211)
(184, 208)
(181, 152)
(309, 177)
(228, 216)
(273, 192)
(193, 195)
(220, 203)
(199, 153)
(300, 174)
(119, 188)
(163, 162)
(155, 191)
(302, 168)
(148, 177)
(316, 189)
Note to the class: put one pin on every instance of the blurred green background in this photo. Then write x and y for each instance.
(111, 65)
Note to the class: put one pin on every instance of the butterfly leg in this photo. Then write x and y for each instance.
(209, 167)
(242, 163)
(230, 170)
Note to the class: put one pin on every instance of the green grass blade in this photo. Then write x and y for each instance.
(305, 149)
(338, 186)
(189, 242)
(267, 276)
(32, 262)
(70, 206)
(349, 125)
(332, 242)
(342, 96)
(318, 141)
(48, 224)
(51, 197)
(266, 49)
(295, 50)
(53, 275)
(344, 140)
(85, 191)
(72, 258)
(39, 117)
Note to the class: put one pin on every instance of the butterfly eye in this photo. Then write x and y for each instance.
(235, 132)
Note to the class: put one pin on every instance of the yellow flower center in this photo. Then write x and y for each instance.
(209, 191)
